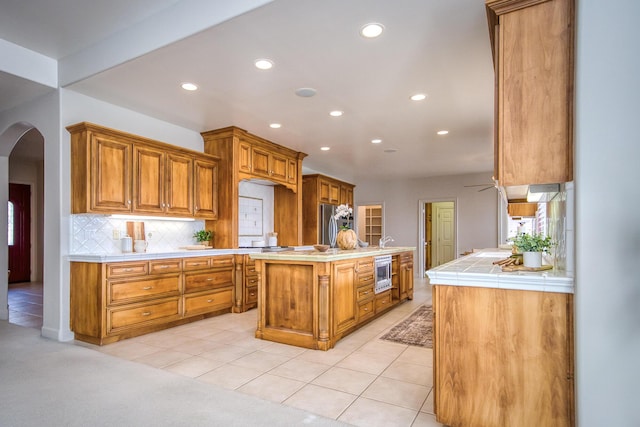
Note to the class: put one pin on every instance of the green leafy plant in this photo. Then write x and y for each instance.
(532, 243)
(203, 235)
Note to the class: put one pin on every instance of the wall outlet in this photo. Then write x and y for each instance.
(116, 234)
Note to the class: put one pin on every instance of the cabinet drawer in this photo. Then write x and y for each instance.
(383, 301)
(364, 292)
(126, 269)
(194, 282)
(157, 312)
(406, 257)
(366, 278)
(251, 281)
(165, 266)
(365, 265)
(365, 310)
(199, 263)
(251, 295)
(207, 302)
(128, 291)
(222, 261)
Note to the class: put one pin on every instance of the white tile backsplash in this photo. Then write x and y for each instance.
(93, 234)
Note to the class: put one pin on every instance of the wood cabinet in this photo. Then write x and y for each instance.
(246, 283)
(522, 209)
(205, 189)
(502, 357)
(533, 46)
(116, 172)
(405, 275)
(313, 304)
(113, 301)
(244, 156)
(320, 189)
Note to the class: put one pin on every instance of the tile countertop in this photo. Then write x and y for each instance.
(478, 270)
(330, 255)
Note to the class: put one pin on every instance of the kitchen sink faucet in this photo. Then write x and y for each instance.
(384, 241)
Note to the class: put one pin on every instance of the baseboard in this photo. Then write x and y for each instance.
(56, 334)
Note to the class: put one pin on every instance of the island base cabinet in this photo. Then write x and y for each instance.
(502, 357)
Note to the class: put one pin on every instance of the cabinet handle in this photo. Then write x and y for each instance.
(209, 300)
(209, 279)
(252, 294)
(146, 288)
(146, 313)
(163, 266)
(366, 309)
(128, 269)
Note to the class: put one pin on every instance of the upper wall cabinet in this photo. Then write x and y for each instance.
(244, 156)
(116, 172)
(320, 189)
(532, 43)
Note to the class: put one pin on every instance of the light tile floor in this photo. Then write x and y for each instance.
(363, 381)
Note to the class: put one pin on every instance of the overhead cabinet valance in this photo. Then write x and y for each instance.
(115, 172)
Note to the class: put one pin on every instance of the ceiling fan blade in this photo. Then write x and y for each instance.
(486, 188)
(479, 185)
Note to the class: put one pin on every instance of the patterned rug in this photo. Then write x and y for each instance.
(417, 329)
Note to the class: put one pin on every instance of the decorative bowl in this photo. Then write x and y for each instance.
(321, 248)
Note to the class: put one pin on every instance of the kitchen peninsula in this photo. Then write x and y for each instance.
(312, 299)
(503, 344)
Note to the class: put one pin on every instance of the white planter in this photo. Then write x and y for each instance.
(532, 259)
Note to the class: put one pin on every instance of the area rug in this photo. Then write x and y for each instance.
(417, 329)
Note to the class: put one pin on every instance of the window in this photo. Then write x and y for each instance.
(11, 229)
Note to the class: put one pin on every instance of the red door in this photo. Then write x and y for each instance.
(19, 233)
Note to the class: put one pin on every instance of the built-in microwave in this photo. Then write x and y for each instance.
(383, 273)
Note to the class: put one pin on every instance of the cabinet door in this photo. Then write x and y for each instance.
(279, 168)
(110, 175)
(206, 189)
(406, 276)
(179, 185)
(292, 174)
(325, 191)
(260, 161)
(535, 96)
(345, 310)
(148, 179)
(334, 193)
(244, 157)
(346, 195)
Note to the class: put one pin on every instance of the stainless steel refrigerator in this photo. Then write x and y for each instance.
(326, 212)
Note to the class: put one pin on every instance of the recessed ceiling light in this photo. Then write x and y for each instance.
(336, 113)
(306, 92)
(275, 125)
(443, 132)
(189, 86)
(418, 97)
(264, 64)
(376, 141)
(371, 30)
(325, 148)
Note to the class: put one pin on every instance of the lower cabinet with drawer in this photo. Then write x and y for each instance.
(114, 301)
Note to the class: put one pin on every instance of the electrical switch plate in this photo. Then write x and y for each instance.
(116, 234)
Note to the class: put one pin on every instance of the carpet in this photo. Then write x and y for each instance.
(417, 329)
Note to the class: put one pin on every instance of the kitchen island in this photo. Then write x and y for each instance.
(503, 344)
(312, 299)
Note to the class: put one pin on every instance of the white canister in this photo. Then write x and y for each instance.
(126, 244)
(273, 241)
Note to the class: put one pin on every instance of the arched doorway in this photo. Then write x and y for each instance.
(22, 151)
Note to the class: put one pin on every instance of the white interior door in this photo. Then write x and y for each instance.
(444, 216)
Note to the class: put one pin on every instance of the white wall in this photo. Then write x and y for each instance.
(607, 154)
(476, 211)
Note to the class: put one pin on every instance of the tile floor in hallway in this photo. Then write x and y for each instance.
(363, 381)
(25, 304)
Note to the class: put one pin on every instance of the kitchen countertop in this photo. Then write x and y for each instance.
(478, 270)
(331, 255)
(178, 253)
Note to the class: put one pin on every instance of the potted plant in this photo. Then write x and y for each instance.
(204, 237)
(531, 246)
(346, 238)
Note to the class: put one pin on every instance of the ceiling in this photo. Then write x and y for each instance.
(439, 48)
